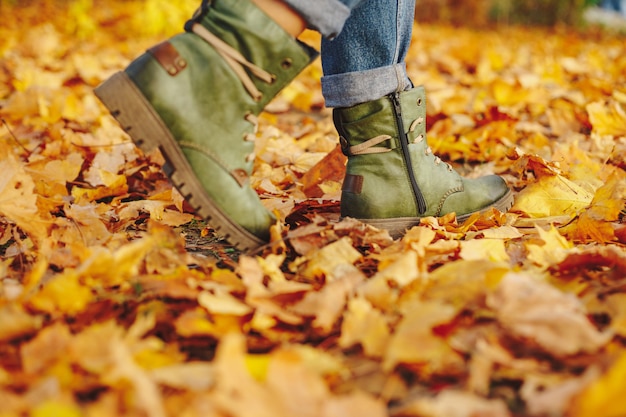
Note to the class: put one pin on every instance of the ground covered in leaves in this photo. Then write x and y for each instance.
(115, 300)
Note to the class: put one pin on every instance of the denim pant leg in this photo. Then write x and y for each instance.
(364, 45)
(366, 61)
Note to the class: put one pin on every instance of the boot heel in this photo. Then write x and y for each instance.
(128, 106)
(137, 117)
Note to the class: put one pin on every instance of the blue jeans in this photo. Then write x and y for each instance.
(364, 46)
(615, 5)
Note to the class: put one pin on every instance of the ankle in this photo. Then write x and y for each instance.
(283, 15)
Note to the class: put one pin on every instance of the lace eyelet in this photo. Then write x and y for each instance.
(286, 63)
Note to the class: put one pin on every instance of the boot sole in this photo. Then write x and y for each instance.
(138, 118)
(398, 226)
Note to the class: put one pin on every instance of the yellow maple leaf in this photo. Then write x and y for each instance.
(18, 202)
(595, 222)
(464, 282)
(492, 249)
(62, 294)
(55, 408)
(609, 200)
(607, 118)
(552, 196)
(553, 251)
(114, 185)
(80, 18)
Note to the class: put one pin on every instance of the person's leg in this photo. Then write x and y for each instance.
(392, 178)
(325, 16)
(366, 61)
(284, 15)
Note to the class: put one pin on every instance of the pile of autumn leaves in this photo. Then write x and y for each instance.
(105, 309)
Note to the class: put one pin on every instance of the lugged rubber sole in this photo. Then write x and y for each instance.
(398, 226)
(146, 128)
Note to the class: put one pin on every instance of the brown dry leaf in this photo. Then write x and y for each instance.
(545, 397)
(238, 393)
(145, 392)
(106, 312)
(554, 249)
(88, 225)
(50, 345)
(364, 325)
(330, 168)
(196, 376)
(452, 403)
(15, 322)
(323, 261)
(536, 312)
(415, 343)
(223, 303)
(382, 290)
(327, 304)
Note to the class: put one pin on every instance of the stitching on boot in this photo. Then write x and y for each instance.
(445, 197)
(168, 57)
(235, 173)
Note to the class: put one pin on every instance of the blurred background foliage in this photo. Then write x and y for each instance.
(85, 17)
(482, 12)
(158, 17)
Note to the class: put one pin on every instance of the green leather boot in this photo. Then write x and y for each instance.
(392, 177)
(196, 97)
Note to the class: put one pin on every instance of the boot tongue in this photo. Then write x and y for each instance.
(413, 103)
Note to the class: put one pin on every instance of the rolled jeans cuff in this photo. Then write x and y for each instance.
(325, 16)
(349, 89)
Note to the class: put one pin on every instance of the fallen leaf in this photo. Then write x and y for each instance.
(452, 403)
(552, 195)
(366, 326)
(607, 118)
(603, 397)
(414, 343)
(532, 310)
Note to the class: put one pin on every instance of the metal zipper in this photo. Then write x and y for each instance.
(404, 144)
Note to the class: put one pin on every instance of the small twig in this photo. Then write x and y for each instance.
(4, 122)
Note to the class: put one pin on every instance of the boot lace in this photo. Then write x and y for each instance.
(369, 146)
(236, 61)
(420, 138)
(238, 64)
